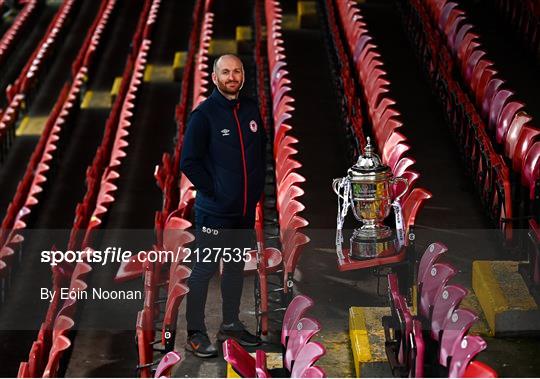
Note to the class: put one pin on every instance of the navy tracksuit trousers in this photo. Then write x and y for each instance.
(218, 233)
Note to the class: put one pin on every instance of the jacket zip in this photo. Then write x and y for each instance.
(243, 156)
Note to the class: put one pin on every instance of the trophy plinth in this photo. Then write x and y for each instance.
(369, 243)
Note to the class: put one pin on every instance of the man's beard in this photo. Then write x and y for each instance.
(223, 88)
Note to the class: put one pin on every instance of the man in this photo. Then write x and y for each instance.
(223, 155)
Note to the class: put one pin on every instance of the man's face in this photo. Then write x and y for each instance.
(229, 75)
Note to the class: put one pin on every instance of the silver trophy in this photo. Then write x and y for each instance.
(368, 191)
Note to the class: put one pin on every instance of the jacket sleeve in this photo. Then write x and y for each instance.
(194, 150)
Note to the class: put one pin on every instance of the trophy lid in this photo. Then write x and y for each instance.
(368, 163)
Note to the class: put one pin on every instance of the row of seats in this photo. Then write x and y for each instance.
(299, 356)
(509, 125)
(43, 157)
(267, 259)
(382, 115)
(20, 92)
(100, 176)
(287, 180)
(95, 33)
(17, 28)
(165, 282)
(435, 342)
(486, 167)
(524, 18)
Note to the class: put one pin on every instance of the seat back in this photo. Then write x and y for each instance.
(313, 372)
(296, 309)
(430, 256)
(305, 329)
(165, 366)
(260, 365)
(507, 116)
(239, 359)
(454, 330)
(531, 169)
(477, 369)
(464, 353)
(307, 356)
(432, 282)
(446, 301)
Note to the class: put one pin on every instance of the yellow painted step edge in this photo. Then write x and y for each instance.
(488, 292)
(359, 338)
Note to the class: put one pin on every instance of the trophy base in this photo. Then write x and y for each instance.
(370, 243)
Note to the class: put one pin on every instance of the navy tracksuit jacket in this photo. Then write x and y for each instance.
(223, 155)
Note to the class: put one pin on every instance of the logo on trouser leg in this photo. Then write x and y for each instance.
(210, 231)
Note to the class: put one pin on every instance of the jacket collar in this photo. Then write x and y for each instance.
(222, 100)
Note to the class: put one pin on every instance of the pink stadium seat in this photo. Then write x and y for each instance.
(313, 372)
(307, 357)
(518, 123)
(446, 301)
(491, 90)
(465, 351)
(472, 61)
(500, 99)
(477, 73)
(305, 329)
(487, 75)
(507, 116)
(433, 252)
(531, 169)
(417, 351)
(260, 365)
(433, 281)
(167, 363)
(296, 309)
(463, 30)
(454, 330)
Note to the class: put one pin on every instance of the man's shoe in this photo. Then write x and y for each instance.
(237, 331)
(199, 344)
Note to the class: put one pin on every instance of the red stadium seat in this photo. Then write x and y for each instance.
(239, 359)
(60, 344)
(477, 369)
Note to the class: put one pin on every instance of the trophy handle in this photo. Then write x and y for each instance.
(404, 180)
(334, 187)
